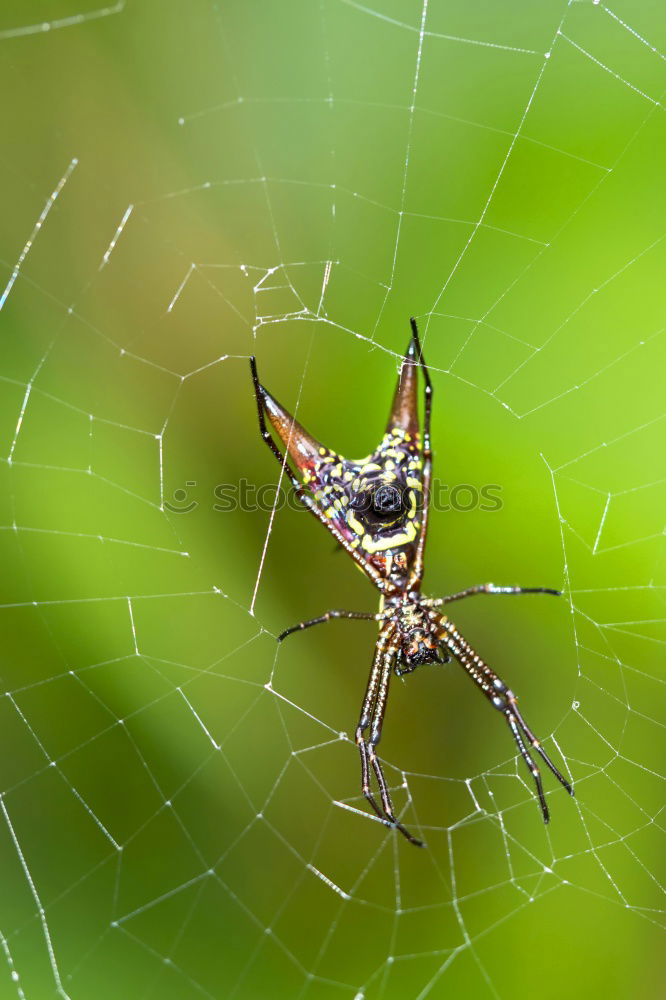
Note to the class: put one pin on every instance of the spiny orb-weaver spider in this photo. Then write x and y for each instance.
(377, 509)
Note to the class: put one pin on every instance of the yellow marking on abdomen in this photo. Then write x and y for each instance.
(380, 544)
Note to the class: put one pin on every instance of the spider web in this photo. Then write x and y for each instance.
(179, 804)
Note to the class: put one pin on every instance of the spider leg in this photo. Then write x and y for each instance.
(326, 617)
(372, 716)
(489, 588)
(536, 744)
(529, 760)
(504, 700)
(366, 715)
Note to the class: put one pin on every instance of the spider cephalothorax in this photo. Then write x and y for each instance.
(377, 509)
(421, 635)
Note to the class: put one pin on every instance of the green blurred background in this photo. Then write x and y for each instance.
(304, 176)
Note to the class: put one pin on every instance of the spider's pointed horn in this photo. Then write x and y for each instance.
(303, 450)
(404, 412)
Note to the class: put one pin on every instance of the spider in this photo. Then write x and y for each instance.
(377, 510)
